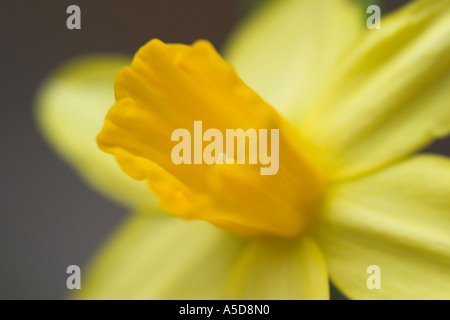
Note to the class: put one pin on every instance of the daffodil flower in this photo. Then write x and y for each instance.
(352, 107)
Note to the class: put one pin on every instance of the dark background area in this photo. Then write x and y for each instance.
(48, 218)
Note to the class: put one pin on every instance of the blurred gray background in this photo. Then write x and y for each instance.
(48, 218)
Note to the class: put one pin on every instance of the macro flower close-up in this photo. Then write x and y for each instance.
(288, 159)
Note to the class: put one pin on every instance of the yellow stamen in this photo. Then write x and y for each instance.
(171, 86)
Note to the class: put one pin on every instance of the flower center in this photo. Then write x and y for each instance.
(209, 146)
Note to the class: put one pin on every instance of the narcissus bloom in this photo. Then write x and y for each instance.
(352, 107)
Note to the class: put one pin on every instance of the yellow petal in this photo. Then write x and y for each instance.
(397, 219)
(160, 257)
(285, 50)
(390, 96)
(170, 87)
(274, 269)
(167, 258)
(71, 107)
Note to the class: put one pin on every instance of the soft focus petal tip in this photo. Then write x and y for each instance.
(70, 109)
